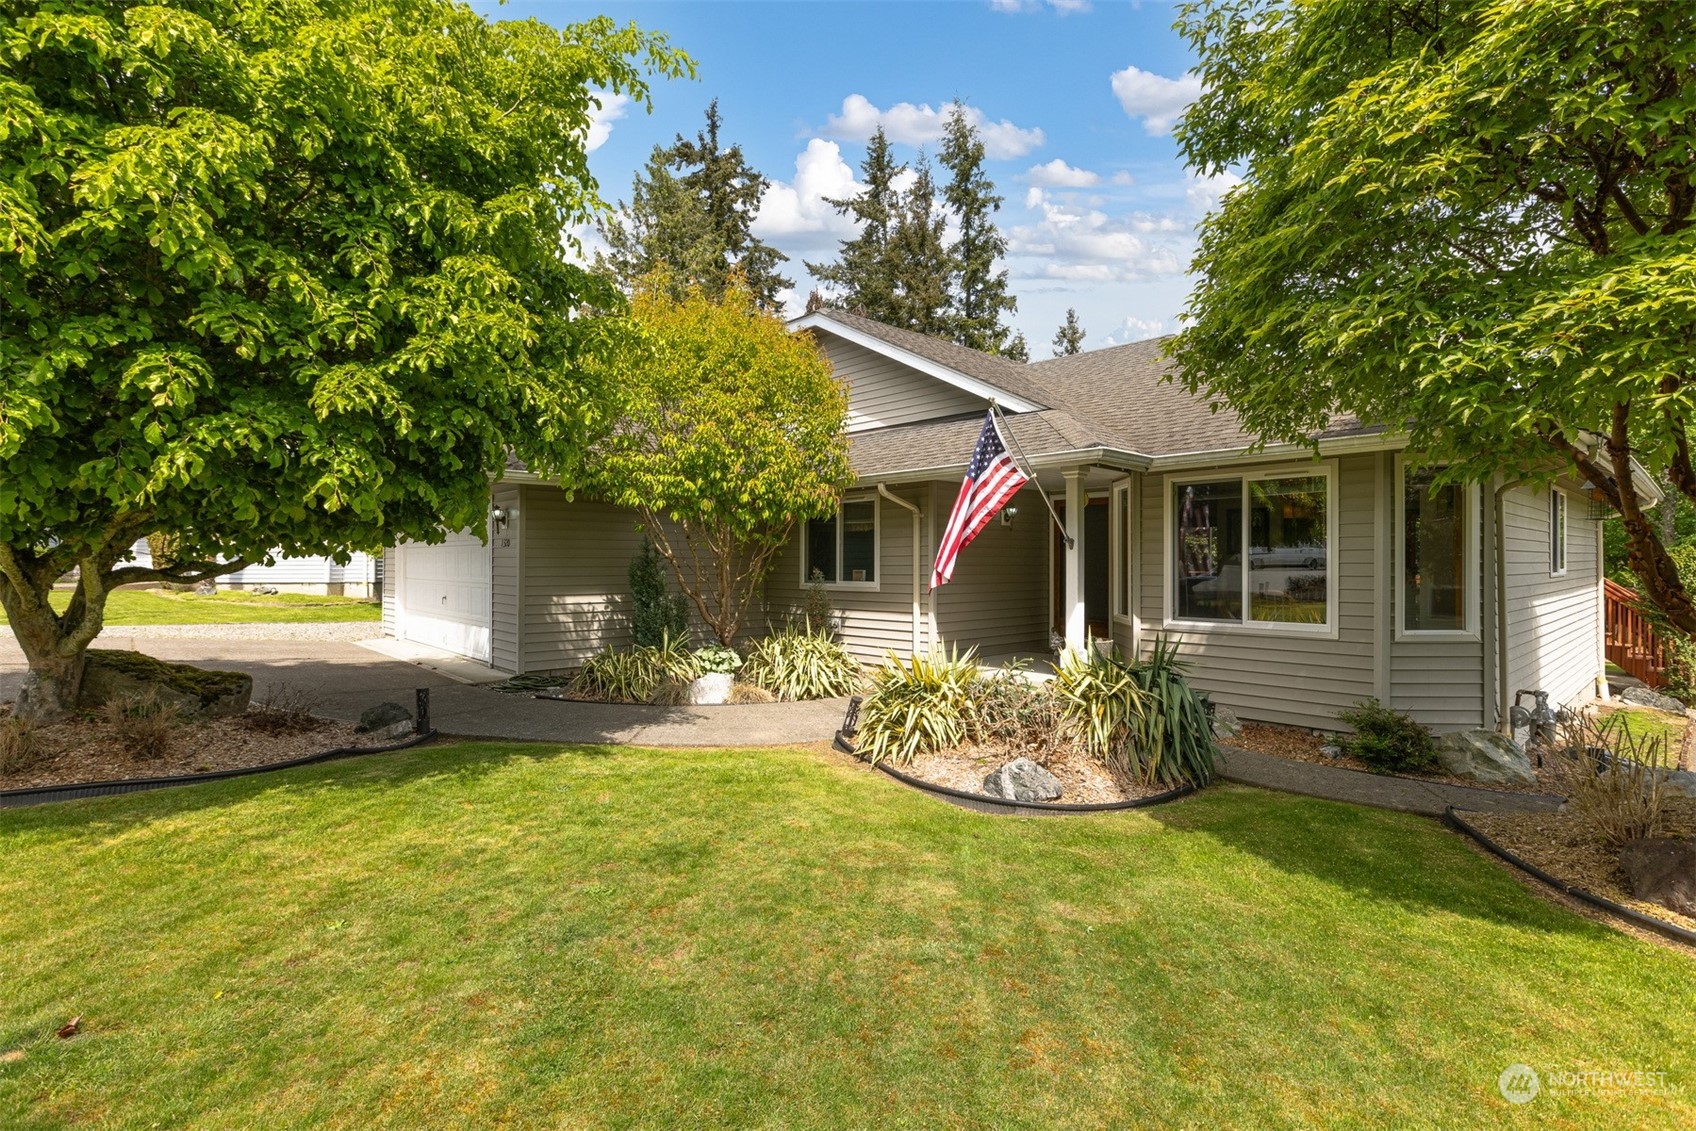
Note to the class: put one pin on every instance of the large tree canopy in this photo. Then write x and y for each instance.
(280, 276)
(1468, 219)
(728, 431)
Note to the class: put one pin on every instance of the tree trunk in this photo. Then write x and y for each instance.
(56, 659)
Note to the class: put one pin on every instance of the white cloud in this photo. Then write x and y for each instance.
(1134, 329)
(1074, 241)
(1058, 174)
(799, 206)
(611, 108)
(1204, 193)
(1123, 178)
(1155, 99)
(921, 124)
(1064, 7)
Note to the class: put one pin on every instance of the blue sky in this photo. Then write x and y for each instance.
(1075, 100)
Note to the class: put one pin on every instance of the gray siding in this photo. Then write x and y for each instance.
(873, 622)
(1553, 622)
(882, 391)
(505, 626)
(1441, 682)
(998, 601)
(1281, 678)
(575, 557)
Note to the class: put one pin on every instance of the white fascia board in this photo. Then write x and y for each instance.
(1010, 402)
(1346, 445)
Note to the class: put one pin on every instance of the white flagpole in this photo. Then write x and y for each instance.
(1007, 434)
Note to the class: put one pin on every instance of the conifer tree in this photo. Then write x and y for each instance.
(920, 261)
(979, 292)
(864, 272)
(1017, 349)
(1070, 337)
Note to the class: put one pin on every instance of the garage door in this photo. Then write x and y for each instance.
(443, 595)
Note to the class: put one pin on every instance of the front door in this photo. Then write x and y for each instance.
(1096, 572)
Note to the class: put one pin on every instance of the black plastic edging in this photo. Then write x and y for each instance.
(42, 794)
(1660, 926)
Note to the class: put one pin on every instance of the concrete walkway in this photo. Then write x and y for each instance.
(1337, 783)
(339, 679)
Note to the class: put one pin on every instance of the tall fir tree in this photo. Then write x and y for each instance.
(979, 291)
(920, 261)
(1017, 349)
(1069, 339)
(690, 216)
(864, 273)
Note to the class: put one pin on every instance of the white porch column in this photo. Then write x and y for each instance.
(1072, 596)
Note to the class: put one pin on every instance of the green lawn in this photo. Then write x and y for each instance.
(1646, 722)
(156, 606)
(522, 935)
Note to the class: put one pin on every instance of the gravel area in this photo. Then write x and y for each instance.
(1560, 844)
(1083, 780)
(357, 630)
(1303, 746)
(89, 750)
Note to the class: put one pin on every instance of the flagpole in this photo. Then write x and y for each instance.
(1007, 434)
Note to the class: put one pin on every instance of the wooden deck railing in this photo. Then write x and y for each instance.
(1631, 641)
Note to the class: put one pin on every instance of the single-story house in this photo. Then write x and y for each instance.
(310, 574)
(1298, 585)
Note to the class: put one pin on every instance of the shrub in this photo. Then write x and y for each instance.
(656, 613)
(1011, 711)
(284, 709)
(716, 658)
(794, 664)
(634, 675)
(741, 692)
(17, 745)
(144, 724)
(1174, 740)
(1612, 778)
(917, 705)
(818, 616)
(1387, 740)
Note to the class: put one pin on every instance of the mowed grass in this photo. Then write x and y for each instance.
(231, 606)
(529, 936)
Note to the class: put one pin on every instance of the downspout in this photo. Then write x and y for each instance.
(917, 567)
(1502, 722)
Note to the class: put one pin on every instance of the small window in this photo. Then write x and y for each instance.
(1557, 533)
(1434, 556)
(842, 549)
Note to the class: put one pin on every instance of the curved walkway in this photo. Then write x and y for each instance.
(1383, 791)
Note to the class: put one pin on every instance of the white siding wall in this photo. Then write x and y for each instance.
(389, 621)
(1553, 622)
(882, 392)
(313, 574)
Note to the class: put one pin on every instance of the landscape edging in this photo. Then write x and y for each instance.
(43, 794)
(1659, 926)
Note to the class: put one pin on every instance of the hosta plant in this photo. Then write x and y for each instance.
(797, 664)
(918, 705)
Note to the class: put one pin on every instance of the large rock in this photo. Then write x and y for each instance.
(385, 720)
(1225, 723)
(193, 691)
(1662, 871)
(1022, 780)
(1484, 756)
(1643, 697)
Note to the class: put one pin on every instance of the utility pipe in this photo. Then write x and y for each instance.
(918, 581)
(1503, 724)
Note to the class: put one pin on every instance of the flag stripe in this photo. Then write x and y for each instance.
(991, 479)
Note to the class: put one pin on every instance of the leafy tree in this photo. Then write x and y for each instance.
(279, 276)
(1069, 339)
(691, 216)
(979, 291)
(657, 615)
(1471, 219)
(865, 273)
(920, 259)
(727, 432)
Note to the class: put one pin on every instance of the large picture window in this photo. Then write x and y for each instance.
(1435, 587)
(842, 549)
(1253, 550)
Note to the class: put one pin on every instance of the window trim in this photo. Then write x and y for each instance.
(876, 584)
(1559, 535)
(1470, 518)
(1124, 506)
(1326, 469)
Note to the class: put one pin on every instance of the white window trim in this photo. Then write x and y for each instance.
(1470, 520)
(1558, 510)
(1123, 575)
(1327, 469)
(876, 584)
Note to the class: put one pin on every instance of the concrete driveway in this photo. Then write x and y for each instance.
(341, 678)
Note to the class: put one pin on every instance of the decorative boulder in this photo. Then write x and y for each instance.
(1225, 723)
(711, 689)
(1484, 756)
(386, 720)
(1022, 780)
(1643, 697)
(111, 674)
(1679, 783)
(1662, 871)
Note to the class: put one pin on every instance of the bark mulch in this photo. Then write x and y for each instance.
(84, 750)
(1300, 745)
(1561, 845)
(1083, 780)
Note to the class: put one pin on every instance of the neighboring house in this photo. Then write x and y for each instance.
(1297, 586)
(319, 575)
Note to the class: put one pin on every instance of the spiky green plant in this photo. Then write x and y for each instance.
(1174, 736)
(796, 664)
(917, 705)
(633, 675)
(1101, 704)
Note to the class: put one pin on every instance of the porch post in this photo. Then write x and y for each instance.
(1072, 596)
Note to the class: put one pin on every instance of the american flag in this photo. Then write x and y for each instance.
(991, 479)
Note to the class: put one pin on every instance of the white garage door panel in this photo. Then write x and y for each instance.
(444, 595)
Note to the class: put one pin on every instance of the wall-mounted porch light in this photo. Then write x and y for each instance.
(1008, 514)
(498, 516)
